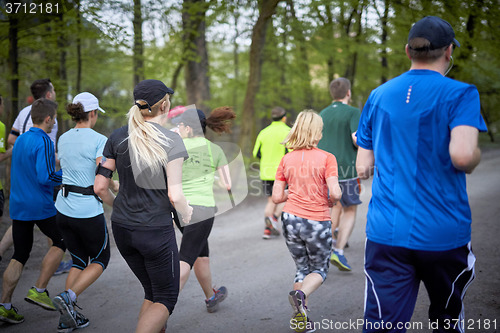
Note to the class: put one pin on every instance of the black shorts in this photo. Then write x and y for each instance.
(267, 186)
(151, 253)
(195, 237)
(86, 239)
(22, 234)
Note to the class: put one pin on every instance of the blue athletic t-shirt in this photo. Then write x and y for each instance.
(78, 150)
(419, 199)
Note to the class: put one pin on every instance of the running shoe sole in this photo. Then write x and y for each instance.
(66, 317)
(40, 304)
(300, 315)
(11, 321)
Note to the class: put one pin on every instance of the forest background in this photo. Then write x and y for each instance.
(248, 54)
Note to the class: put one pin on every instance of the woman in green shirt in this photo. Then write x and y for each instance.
(198, 176)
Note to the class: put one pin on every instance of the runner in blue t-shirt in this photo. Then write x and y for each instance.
(80, 216)
(418, 135)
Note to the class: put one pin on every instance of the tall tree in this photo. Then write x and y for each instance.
(195, 52)
(78, 46)
(138, 58)
(267, 9)
(302, 56)
(13, 67)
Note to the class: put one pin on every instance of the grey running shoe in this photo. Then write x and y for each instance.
(213, 302)
(81, 322)
(65, 307)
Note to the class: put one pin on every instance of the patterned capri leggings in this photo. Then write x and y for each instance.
(309, 243)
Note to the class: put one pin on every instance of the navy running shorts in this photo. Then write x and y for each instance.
(350, 192)
(393, 276)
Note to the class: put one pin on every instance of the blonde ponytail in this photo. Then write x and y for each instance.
(146, 142)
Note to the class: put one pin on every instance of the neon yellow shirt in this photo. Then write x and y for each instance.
(269, 149)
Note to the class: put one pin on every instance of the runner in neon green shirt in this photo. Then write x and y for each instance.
(269, 150)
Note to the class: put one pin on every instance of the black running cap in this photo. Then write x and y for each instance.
(436, 30)
(151, 91)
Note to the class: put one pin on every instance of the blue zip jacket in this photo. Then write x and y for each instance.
(33, 177)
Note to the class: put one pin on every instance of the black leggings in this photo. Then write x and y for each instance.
(151, 253)
(22, 234)
(87, 239)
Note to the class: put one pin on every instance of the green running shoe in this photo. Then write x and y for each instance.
(10, 316)
(40, 299)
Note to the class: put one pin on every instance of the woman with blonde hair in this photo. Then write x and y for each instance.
(312, 178)
(149, 159)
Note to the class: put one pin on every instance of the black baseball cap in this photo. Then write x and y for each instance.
(151, 91)
(436, 30)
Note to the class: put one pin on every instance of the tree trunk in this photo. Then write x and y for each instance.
(78, 47)
(195, 51)
(236, 59)
(351, 68)
(13, 69)
(138, 44)
(247, 137)
(303, 56)
(383, 57)
(62, 86)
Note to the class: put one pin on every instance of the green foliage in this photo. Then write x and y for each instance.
(308, 43)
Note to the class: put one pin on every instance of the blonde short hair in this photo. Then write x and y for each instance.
(306, 131)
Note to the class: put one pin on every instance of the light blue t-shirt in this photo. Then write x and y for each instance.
(419, 199)
(78, 150)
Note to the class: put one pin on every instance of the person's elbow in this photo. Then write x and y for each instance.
(364, 171)
(465, 159)
(276, 198)
(101, 185)
(176, 196)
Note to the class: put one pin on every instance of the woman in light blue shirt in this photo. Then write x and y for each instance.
(80, 216)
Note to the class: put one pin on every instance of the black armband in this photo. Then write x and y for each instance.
(16, 133)
(100, 170)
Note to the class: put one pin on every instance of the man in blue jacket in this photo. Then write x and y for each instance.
(33, 178)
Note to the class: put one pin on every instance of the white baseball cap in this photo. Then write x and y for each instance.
(89, 102)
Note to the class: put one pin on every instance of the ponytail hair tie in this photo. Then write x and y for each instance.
(143, 106)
